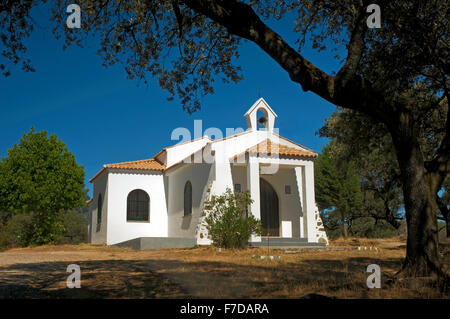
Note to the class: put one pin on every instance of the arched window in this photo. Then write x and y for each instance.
(138, 206)
(99, 211)
(187, 198)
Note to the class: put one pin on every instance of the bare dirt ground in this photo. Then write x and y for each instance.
(113, 272)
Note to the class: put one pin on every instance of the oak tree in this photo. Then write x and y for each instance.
(337, 188)
(354, 138)
(41, 177)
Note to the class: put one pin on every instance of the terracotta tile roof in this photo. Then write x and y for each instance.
(147, 165)
(267, 147)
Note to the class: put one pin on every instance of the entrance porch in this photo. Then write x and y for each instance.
(283, 194)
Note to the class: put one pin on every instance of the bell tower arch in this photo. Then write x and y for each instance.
(267, 120)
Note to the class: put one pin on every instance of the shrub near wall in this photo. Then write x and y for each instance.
(228, 221)
(15, 233)
(75, 228)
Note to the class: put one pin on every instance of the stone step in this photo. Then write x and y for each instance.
(285, 242)
(284, 239)
(148, 243)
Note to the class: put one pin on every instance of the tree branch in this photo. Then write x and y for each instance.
(355, 48)
(440, 164)
(443, 208)
(355, 93)
(179, 16)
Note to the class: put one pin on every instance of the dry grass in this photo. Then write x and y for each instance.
(114, 272)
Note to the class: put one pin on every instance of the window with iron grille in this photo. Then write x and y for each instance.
(287, 189)
(138, 206)
(187, 198)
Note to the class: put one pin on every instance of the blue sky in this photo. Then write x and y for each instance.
(105, 118)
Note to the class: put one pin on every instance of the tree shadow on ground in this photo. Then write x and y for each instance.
(269, 279)
(99, 279)
(184, 278)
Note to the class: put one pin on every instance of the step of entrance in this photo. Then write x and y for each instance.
(285, 242)
(149, 243)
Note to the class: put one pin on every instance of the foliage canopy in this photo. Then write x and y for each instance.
(41, 177)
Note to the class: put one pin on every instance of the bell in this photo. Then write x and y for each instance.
(263, 121)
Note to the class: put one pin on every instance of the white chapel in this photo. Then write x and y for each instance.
(160, 202)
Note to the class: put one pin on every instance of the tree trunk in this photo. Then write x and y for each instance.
(344, 225)
(389, 214)
(445, 213)
(419, 191)
(447, 226)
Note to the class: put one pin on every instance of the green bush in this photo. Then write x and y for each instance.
(76, 229)
(228, 221)
(16, 232)
(45, 229)
(364, 227)
(370, 228)
(20, 231)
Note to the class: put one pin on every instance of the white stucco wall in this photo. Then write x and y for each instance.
(229, 147)
(120, 184)
(289, 205)
(177, 153)
(301, 185)
(239, 176)
(178, 224)
(310, 202)
(253, 187)
(100, 187)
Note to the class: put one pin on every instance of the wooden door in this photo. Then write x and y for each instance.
(269, 209)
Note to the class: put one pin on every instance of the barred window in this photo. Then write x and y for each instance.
(187, 198)
(99, 211)
(138, 206)
(287, 189)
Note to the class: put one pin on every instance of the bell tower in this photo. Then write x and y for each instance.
(267, 120)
